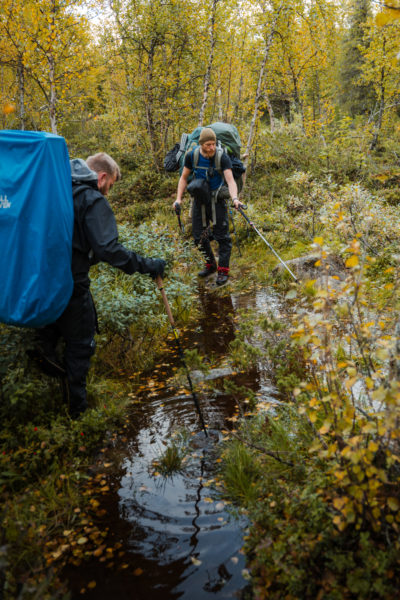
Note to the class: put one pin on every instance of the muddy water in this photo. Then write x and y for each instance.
(175, 537)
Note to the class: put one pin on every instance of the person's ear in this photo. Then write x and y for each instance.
(101, 178)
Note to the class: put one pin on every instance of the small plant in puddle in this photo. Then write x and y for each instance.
(172, 459)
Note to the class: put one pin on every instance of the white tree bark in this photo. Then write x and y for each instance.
(207, 76)
(261, 75)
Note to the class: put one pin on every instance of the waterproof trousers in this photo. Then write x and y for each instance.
(77, 326)
(219, 231)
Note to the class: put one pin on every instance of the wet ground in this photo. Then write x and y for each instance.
(174, 537)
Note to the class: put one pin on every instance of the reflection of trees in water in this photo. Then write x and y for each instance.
(217, 323)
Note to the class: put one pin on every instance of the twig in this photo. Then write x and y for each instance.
(260, 449)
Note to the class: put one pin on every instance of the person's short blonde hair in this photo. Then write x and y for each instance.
(103, 162)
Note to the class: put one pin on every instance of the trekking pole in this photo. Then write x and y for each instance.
(160, 286)
(268, 244)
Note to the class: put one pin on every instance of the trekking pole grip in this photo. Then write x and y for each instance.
(160, 285)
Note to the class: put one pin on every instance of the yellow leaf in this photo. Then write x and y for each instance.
(339, 503)
(91, 585)
(325, 427)
(319, 241)
(138, 571)
(352, 261)
(340, 524)
(8, 108)
(387, 16)
(393, 504)
(313, 417)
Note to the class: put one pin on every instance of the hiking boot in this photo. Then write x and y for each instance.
(222, 276)
(209, 269)
(75, 411)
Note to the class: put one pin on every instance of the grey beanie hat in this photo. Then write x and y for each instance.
(207, 134)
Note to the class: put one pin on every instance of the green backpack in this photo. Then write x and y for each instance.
(228, 140)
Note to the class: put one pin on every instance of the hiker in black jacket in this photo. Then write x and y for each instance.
(95, 238)
(210, 188)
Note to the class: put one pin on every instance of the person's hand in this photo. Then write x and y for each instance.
(157, 267)
(236, 203)
(177, 207)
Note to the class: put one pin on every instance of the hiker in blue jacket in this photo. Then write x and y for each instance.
(95, 238)
(211, 187)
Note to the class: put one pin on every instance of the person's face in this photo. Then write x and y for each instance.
(105, 182)
(208, 148)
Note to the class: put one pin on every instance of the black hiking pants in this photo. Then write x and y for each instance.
(77, 326)
(219, 231)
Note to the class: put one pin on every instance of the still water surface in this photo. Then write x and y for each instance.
(178, 538)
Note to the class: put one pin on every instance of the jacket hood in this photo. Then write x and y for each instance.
(80, 172)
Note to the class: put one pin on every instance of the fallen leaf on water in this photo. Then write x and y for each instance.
(235, 560)
(195, 561)
(82, 540)
(99, 550)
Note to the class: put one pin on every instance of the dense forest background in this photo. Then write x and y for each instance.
(133, 75)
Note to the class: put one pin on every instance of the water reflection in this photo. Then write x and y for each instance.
(178, 538)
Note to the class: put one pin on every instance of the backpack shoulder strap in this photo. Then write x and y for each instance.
(195, 157)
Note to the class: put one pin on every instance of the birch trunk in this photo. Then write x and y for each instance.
(207, 76)
(261, 81)
(381, 110)
(53, 95)
(21, 93)
(236, 113)
(149, 104)
(270, 112)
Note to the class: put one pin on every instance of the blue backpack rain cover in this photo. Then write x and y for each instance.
(36, 226)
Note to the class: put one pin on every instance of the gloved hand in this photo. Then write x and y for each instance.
(156, 267)
(177, 207)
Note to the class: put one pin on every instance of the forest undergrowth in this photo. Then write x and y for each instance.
(318, 472)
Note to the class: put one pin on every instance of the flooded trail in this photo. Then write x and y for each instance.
(173, 537)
